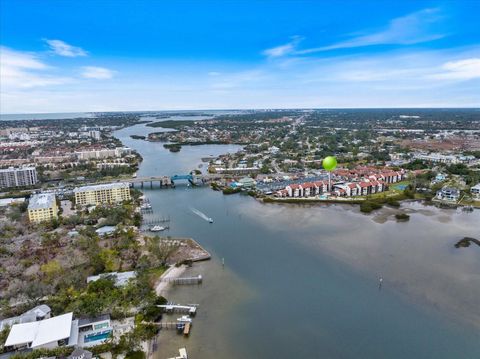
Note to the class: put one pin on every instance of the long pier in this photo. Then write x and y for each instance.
(187, 327)
(176, 308)
(185, 280)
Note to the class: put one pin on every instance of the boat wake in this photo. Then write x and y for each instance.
(201, 215)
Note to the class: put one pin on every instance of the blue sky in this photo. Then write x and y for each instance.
(68, 56)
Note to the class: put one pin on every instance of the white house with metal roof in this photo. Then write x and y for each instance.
(47, 333)
(475, 191)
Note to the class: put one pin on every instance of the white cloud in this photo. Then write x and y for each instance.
(99, 73)
(24, 70)
(465, 69)
(411, 29)
(61, 48)
(282, 50)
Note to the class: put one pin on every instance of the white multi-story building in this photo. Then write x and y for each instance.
(18, 177)
(104, 153)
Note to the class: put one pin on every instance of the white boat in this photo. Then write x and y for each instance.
(134, 175)
(146, 206)
(157, 229)
(210, 220)
(184, 319)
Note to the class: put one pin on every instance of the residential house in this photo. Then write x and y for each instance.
(475, 191)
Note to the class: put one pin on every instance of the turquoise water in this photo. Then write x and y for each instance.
(302, 281)
(97, 336)
(400, 187)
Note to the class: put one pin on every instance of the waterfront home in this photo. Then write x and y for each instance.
(475, 191)
(48, 333)
(448, 194)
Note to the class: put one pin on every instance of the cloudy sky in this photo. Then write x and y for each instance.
(74, 56)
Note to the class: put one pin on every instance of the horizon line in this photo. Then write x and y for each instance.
(255, 109)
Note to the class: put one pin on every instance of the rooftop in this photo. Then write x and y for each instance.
(41, 201)
(100, 187)
(10, 169)
(42, 332)
(120, 278)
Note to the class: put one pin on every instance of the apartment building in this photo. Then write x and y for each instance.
(103, 193)
(42, 207)
(18, 177)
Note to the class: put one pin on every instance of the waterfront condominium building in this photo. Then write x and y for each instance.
(102, 193)
(18, 177)
(42, 207)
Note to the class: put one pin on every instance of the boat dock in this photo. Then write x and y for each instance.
(186, 330)
(185, 280)
(155, 220)
(166, 325)
(176, 308)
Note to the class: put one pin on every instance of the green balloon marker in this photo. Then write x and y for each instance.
(329, 163)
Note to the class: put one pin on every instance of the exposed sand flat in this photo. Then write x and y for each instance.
(170, 273)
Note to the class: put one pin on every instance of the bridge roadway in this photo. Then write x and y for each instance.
(204, 177)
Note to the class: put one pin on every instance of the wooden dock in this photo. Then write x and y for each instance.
(166, 325)
(186, 330)
(185, 280)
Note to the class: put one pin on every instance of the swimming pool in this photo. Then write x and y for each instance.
(97, 336)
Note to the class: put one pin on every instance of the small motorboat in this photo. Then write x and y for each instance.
(210, 220)
(157, 229)
(184, 319)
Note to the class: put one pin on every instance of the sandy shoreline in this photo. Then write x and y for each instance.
(172, 272)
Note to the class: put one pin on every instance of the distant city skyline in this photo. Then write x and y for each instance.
(88, 56)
